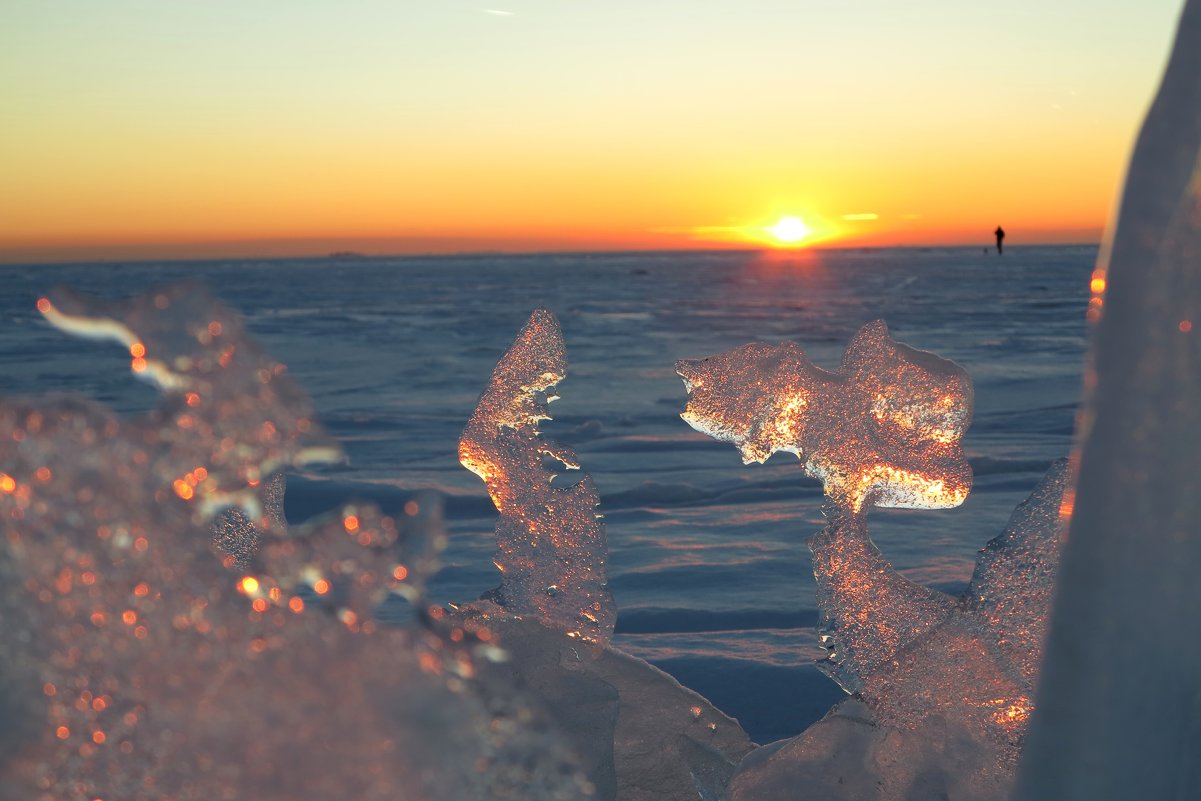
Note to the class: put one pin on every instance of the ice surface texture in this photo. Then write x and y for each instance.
(885, 429)
(1125, 722)
(135, 665)
(550, 542)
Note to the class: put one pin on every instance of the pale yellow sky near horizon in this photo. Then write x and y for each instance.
(188, 128)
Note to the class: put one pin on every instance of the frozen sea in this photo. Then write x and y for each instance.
(708, 561)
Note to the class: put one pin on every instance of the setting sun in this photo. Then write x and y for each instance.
(789, 230)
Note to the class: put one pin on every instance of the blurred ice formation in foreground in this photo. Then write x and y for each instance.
(141, 660)
(1118, 723)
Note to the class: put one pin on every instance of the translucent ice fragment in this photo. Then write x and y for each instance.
(551, 547)
(885, 429)
(1120, 695)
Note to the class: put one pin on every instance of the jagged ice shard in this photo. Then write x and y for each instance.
(885, 429)
(550, 542)
(640, 735)
(1125, 722)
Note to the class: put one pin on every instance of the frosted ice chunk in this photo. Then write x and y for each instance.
(884, 429)
(1118, 707)
(551, 547)
(136, 666)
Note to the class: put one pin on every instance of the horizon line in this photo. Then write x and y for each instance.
(56, 256)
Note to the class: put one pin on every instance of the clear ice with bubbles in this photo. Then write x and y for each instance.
(884, 430)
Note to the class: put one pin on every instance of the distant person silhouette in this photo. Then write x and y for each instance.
(1000, 232)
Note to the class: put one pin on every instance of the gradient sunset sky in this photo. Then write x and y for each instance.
(190, 128)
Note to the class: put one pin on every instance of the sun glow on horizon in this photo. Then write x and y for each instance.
(790, 230)
(393, 140)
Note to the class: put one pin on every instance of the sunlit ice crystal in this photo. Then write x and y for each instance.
(135, 665)
(884, 429)
(639, 733)
(551, 547)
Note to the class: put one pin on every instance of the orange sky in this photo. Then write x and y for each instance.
(235, 128)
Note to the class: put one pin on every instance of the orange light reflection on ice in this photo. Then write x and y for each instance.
(1012, 714)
